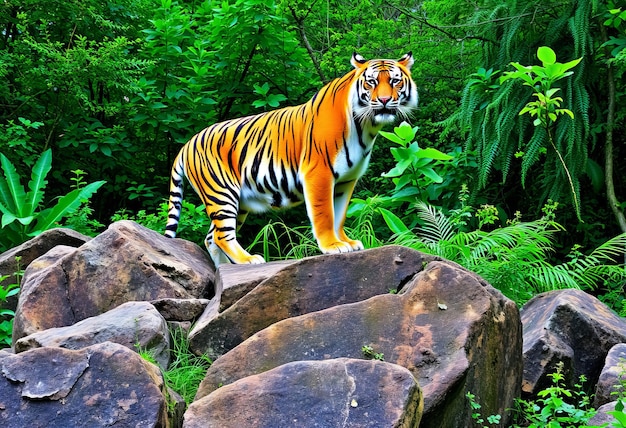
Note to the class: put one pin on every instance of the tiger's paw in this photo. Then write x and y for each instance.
(254, 259)
(356, 244)
(341, 247)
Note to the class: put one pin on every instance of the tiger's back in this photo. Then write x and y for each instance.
(314, 153)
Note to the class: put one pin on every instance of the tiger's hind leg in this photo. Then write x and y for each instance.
(217, 255)
(221, 240)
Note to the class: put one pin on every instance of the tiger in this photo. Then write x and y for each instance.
(312, 153)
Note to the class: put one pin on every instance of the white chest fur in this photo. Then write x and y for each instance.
(353, 158)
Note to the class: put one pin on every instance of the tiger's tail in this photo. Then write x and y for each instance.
(176, 196)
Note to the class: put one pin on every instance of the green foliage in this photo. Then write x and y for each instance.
(513, 258)
(557, 406)
(370, 354)
(266, 99)
(279, 241)
(22, 216)
(547, 107)
(186, 370)
(554, 407)
(619, 413)
(7, 315)
(414, 165)
(81, 220)
(488, 116)
(477, 417)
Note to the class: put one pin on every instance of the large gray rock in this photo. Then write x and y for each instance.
(302, 287)
(135, 325)
(332, 393)
(32, 249)
(612, 375)
(603, 418)
(568, 326)
(125, 263)
(451, 330)
(102, 385)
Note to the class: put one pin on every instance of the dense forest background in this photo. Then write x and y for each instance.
(115, 88)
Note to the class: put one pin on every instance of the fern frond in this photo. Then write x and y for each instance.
(436, 227)
(533, 148)
(611, 250)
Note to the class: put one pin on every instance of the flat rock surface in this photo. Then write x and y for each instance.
(332, 393)
(305, 286)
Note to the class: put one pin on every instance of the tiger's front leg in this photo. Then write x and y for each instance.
(319, 200)
(341, 199)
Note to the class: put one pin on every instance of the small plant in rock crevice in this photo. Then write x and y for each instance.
(186, 370)
(370, 354)
(7, 315)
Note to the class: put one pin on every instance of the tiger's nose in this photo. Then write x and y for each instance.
(384, 100)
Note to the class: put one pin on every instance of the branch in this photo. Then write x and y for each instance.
(425, 22)
(300, 24)
(244, 73)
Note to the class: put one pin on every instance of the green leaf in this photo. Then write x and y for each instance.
(405, 131)
(393, 221)
(399, 169)
(430, 173)
(433, 154)
(393, 137)
(546, 55)
(64, 206)
(37, 183)
(13, 193)
(7, 219)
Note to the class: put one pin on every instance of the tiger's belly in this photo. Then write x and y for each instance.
(266, 192)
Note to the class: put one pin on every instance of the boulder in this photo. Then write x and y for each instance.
(602, 418)
(450, 329)
(135, 325)
(32, 249)
(125, 263)
(333, 393)
(568, 326)
(301, 287)
(102, 385)
(612, 375)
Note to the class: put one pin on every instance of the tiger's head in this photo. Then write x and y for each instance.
(383, 91)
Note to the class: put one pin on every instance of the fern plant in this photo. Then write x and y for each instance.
(513, 258)
(488, 118)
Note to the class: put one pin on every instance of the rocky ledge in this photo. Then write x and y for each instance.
(383, 337)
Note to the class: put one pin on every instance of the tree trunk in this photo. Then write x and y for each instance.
(608, 145)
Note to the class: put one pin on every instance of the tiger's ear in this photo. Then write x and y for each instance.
(406, 60)
(357, 60)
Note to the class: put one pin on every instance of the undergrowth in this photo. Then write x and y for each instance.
(186, 370)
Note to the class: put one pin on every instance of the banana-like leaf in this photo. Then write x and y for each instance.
(38, 182)
(12, 192)
(393, 221)
(64, 206)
